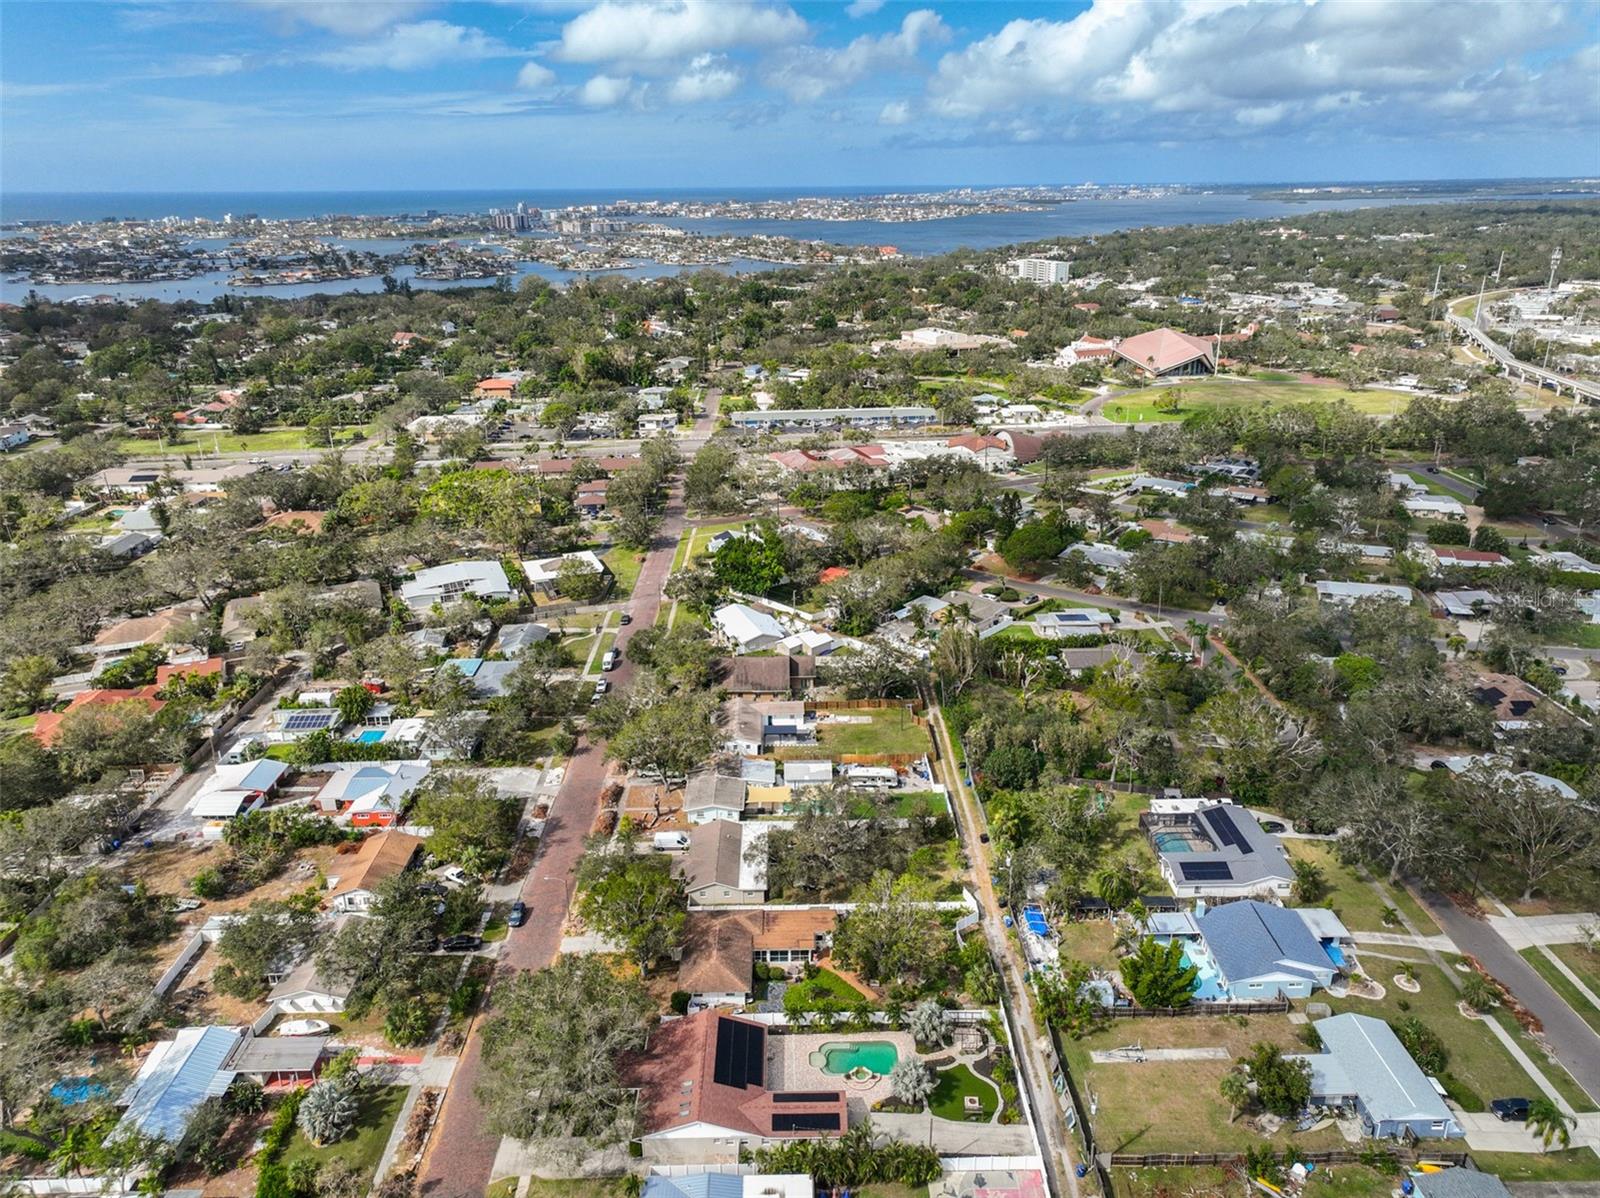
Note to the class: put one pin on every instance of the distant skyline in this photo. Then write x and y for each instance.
(362, 95)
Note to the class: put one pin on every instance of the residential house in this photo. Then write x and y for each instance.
(1458, 1182)
(822, 418)
(782, 675)
(294, 723)
(657, 422)
(1463, 605)
(545, 573)
(746, 629)
(1512, 699)
(379, 858)
(719, 868)
(1250, 951)
(455, 581)
(1452, 556)
(807, 773)
(232, 790)
(126, 546)
(721, 949)
(1078, 662)
(1098, 553)
(1364, 1068)
(703, 1095)
(1434, 507)
(371, 793)
(730, 1185)
(488, 679)
(1150, 484)
(172, 1082)
(516, 639)
(302, 990)
(1218, 850)
(1167, 353)
(276, 1060)
(158, 628)
(1075, 621)
(712, 796)
(47, 725)
(1348, 593)
(749, 725)
(14, 436)
(590, 498)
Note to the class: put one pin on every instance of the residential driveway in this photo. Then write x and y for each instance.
(1485, 1133)
(1573, 1041)
(462, 1153)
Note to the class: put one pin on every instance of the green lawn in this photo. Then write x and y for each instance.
(891, 730)
(364, 1145)
(607, 640)
(1328, 1181)
(575, 1187)
(624, 565)
(1583, 636)
(826, 984)
(949, 1096)
(1352, 898)
(1559, 983)
(1582, 961)
(267, 440)
(1573, 1164)
(1140, 407)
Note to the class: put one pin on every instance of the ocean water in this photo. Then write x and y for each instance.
(917, 238)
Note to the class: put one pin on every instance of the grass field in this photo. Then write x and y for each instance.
(892, 730)
(607, 640)
(624, 565)
(1559, 982)
(200, 444)
(1352, 898)
(948, 1100)
(826, 984)
(1328, 1181)
(1140, 407)
(1582, 961)
(1583, 636)
(363, 1146)
(909, 805)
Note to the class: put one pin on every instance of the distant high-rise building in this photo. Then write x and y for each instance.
(1041, 270)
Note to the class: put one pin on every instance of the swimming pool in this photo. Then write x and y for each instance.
(1209, 988)
(370, 737)
(875, 1056)
(1173, 842)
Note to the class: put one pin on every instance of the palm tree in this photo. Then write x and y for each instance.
(1547, 1121)
(1197, 638)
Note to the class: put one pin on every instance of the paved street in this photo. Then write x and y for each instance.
(1573, 1041)
(462, 1154)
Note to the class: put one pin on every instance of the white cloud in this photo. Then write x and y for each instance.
(895, 112)
(655, 31)
(415, 46)
(535, 76)
(709, 77)
(809, 72)
(349, 18)
(604, 91)
(1257, 64)
(862, 8)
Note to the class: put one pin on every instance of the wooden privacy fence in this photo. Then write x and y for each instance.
(1275, 1007)
(914, 705)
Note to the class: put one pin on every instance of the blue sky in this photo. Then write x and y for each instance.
(175, 95)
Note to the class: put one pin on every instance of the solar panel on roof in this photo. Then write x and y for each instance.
(809, 1122)
(1205, 871)
(741, 1054)
(1227, 831)
(807, 1096)
(307, 721)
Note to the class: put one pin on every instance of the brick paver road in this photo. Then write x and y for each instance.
(462, 1152)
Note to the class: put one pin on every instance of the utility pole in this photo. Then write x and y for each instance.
(1498, 265)
(1437, 272)
(1555, 267)
(1477, 312)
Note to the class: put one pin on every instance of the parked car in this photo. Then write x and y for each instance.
(1510, 1110)
(519, 914)
(609, 661)
(626, 618)
(464, 943)
(454, 875)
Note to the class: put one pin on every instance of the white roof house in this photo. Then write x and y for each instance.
(232, 788)
(747, 629)
(1076, 621)
(1438, 506)
(451, 582)
(542, 574)
(371, 786)
(1354, 592)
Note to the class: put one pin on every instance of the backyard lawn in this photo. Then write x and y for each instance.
(1562, 986)
(826, 984)
(364, 1145)
(891, 730)
(1328, 1181)
(948, 1100)
(1572, 1164)
(201, 444)
(1092, 941)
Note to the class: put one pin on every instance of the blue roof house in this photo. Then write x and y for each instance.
(1251, 951)
(177, 1076)
(1363, 1067)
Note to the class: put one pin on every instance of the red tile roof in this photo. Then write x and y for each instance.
(48, 725)
(1161, 350)
(197, 669)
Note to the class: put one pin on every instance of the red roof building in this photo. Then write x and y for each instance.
(48, 725)
(704, 1077)
(833, 574)
(1167, 353)
(190, 669)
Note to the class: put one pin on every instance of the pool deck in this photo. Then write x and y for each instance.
(791, 1069)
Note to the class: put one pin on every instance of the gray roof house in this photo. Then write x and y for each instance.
(1219, 850)
(451, 582)
(1364, 1067)
(516, 639)
(1458, 1183)
(710, 797)
(1251, 951)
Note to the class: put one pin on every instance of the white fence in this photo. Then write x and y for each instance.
(102, 1187)
(197, 942)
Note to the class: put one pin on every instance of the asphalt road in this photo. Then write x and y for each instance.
(462, 1152)
(1573, 1041)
